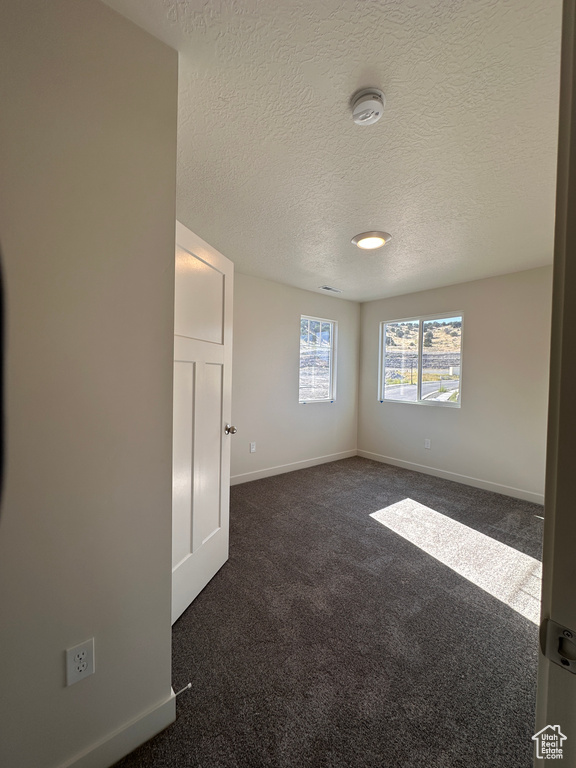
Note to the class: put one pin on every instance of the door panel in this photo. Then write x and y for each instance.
(209, 434)
(183, 461)
(202, 403)
(202, 318)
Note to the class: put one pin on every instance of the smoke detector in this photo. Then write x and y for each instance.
(367, 106)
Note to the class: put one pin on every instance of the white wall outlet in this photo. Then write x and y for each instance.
(252, 447)
(427, 443)
(79, 661)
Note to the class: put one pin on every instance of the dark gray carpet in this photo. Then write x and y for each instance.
(329, 641)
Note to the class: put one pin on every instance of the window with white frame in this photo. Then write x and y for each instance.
(421, 360)
(317, 360)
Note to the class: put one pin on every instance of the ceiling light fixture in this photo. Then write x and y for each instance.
(368, 241)
(367, 106)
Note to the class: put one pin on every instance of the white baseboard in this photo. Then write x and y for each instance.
(279, 470)
(475, 482)
(121, 742)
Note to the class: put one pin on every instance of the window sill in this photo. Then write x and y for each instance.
(428, 403)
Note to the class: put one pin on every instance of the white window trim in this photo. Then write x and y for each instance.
(333, 361)
(382, 360)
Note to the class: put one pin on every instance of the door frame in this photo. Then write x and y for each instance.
(556, 694)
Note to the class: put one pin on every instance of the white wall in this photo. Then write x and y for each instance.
(87, 210)
(497, 438)
(265, 407)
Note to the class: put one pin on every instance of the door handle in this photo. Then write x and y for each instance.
(230, 430)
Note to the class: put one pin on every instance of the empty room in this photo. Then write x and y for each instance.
(288, 350)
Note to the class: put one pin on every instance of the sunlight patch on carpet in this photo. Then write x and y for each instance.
(508, 575)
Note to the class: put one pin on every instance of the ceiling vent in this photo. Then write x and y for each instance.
(329, 289)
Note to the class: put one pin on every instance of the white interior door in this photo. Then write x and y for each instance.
(202, 409)
(556, 705)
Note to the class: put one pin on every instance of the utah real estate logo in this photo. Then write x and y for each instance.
(549, 743)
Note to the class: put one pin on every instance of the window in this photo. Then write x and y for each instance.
(317, 363)
(421, 360)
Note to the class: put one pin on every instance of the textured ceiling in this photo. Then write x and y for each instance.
(460, 169)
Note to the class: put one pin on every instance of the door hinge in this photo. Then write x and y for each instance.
(558, 644)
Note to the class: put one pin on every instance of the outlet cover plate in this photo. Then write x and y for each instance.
(80, 661)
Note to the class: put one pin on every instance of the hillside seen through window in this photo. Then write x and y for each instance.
(422, 360)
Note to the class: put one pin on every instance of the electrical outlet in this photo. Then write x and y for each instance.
(79, 661)
(427, 443)
(252, 447)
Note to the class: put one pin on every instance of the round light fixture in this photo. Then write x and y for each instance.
(371, 240)
(367, 106)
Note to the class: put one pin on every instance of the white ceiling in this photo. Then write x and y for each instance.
(273, 172)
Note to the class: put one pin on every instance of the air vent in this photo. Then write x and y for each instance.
(329, 288)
